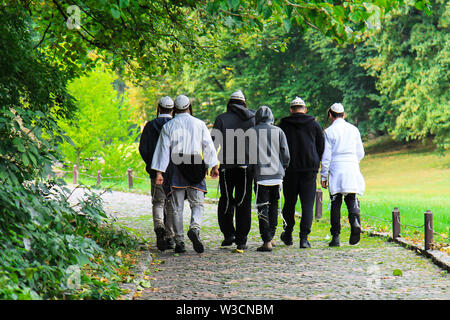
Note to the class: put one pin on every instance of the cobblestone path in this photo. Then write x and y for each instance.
(364, 271)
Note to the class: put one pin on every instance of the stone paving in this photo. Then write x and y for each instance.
(364, 271)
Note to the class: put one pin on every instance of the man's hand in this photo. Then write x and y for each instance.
(159, 178)
(324, 183)
(214, 172)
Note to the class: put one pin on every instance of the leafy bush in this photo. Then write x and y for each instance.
(44, 239)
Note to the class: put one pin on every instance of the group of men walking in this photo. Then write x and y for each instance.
(248, 152)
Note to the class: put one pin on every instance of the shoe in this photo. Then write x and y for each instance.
(193, 235)
(180, 248)
(161, 243)
(286, 238)
(242, 247)
(335, 242)
(170, 244)
(355, 230)
(228, 241)
(304, 243)
(266, 247)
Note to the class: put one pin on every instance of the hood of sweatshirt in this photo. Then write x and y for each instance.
(242, 112)
(264, 115)
(298, 119)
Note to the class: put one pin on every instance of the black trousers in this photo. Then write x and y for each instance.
(235, 200)
(335, 217)
(303, 185)
(267, 203)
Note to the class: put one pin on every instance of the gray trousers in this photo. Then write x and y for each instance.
(196, 200)
(162, 210)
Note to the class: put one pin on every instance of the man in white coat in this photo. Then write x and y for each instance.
(186, 150)
(340, 166)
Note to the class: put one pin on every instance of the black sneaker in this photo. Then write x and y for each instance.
(286, 238)
(180, 248)
(193, 235)
(160, 241)
(227, 241)
(304, 243)
(170, 243)
(335, 242)
(355, 232)
(242, 247)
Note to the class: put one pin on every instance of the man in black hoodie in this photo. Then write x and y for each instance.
(162, 210)
(306, 145)
(235, 174)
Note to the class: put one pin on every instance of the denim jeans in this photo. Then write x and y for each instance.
(267, 203)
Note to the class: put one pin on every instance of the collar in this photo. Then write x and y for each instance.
(338, 120)
(184, 114)
(165, 115)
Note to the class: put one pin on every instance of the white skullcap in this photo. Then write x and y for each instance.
(337, 107)
(182, 102)
(166, 102)
(297, 102)
(238, 95)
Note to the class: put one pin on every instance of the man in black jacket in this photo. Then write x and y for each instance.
(235, 174)
(306, 145)
(162, 210)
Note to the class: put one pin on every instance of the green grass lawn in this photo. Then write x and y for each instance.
(414, 179)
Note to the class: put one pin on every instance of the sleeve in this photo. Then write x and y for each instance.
(208, 149)
(326, 158)
(359, 146)
(144, 145)
(161, 156)
(217, 127)
(320, 140)
(284, 150)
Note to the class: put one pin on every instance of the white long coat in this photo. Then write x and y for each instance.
(340, 161)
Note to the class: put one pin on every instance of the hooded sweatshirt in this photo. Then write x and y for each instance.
(273, 152)
(236, 117)
(306, 142)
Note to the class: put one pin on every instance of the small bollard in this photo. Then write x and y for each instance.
(130, 178)
(395, 223)
(318, 213)
(98, 177)
(75, 174)
(428, 229)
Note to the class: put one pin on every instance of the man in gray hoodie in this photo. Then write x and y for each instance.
(272, 160)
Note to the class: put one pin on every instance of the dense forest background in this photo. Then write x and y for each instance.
(394, 81)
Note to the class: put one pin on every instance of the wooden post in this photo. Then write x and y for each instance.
(130, 178)
(428, 229)
(75, 174)
(318, 212)
(395, 223)
(98, 177)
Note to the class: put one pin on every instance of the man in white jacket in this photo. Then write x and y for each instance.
(340, 166)
(186, 150)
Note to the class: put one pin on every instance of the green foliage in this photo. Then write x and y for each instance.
(412, 68)
(41, 234)
(102, 132)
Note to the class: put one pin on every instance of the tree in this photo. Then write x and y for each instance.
(102, 129)
(412, 67)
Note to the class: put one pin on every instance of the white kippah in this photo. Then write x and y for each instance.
(166, 102)
(238, 95)
(297, 102)
(337, 107)
(182, 102)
